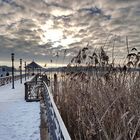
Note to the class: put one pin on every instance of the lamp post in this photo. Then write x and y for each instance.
(21, 71)
(28, 73)
(12, 58)
(25, 70)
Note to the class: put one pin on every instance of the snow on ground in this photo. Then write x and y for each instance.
(19, 120)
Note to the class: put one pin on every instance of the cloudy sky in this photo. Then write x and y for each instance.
(40, 29)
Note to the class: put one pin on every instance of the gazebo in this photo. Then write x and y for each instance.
(33, 67)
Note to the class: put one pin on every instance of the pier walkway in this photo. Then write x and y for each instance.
(19, 120)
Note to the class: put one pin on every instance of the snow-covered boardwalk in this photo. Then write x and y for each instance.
(19, 120)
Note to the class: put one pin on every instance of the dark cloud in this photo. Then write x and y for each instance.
(92, 10)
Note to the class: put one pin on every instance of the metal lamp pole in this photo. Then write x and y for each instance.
(12, 58)
(25, 70)
(28, 73)
(21, 71)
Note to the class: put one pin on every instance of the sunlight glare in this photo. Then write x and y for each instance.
(49, 33)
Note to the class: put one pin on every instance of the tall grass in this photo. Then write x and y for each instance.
(102, 104)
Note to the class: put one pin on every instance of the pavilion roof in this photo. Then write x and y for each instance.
(33, 65)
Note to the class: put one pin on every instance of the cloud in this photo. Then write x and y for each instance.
(41, 28)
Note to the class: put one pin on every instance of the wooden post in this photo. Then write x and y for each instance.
(55, 87)
(44, 133)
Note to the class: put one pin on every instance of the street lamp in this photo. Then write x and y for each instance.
(28, 72)
(25, 70)
(21, 71)
(12, 58)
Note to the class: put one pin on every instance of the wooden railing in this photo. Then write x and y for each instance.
(8, 79)
(52, 126)
(56, 127)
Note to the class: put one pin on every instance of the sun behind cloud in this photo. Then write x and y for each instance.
(50, 34)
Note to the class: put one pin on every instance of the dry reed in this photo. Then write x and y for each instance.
(103, 104)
